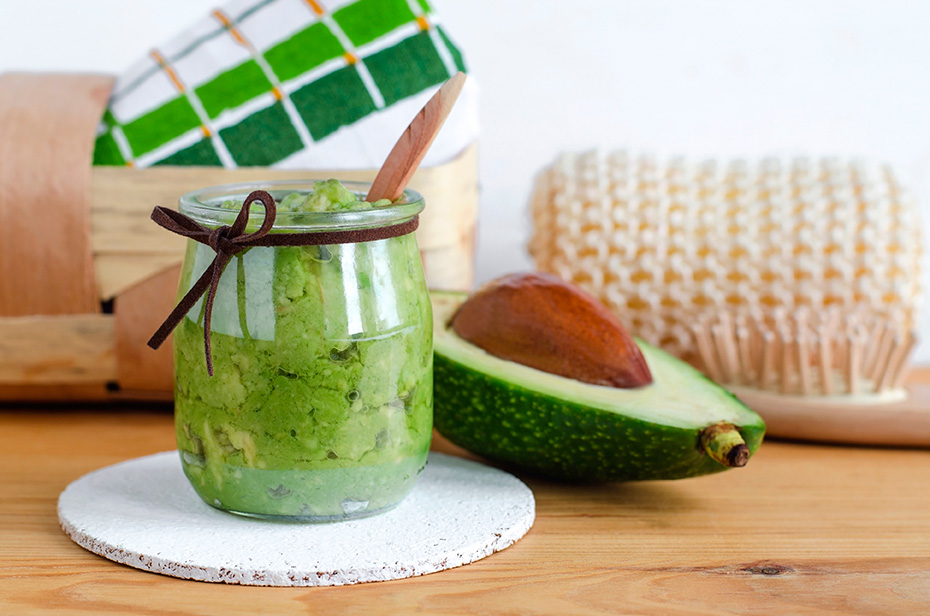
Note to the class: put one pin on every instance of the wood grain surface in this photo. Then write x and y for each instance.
(60, 349)
(803, 529)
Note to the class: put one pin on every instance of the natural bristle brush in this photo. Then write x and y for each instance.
(794, 283)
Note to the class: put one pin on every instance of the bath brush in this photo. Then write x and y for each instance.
(795, 283)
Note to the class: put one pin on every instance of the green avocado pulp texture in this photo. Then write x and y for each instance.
(320, 406)
(569, 430)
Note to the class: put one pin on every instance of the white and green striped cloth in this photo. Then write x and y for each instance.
(288, 84)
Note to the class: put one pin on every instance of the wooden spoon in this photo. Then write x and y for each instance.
(410, 149)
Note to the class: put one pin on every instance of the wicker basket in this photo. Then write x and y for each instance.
(86, 277)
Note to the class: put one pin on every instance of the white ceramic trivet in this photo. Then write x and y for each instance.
(144, 513)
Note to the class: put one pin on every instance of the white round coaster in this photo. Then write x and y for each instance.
(144, 513)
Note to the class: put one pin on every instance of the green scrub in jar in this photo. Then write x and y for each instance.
(320, 407)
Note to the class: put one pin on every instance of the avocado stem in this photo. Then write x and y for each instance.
(723, 443)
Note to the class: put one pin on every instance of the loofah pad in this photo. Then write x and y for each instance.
(791, 276)
(143, 513)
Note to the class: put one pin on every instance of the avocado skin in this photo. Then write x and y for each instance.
(564, 440)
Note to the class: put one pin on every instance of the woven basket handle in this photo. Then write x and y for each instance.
(47, 128)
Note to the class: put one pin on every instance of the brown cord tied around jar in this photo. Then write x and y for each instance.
(228, 241)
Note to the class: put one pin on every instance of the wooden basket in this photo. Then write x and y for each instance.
(86, 277)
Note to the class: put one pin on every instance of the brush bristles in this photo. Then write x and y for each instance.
(796, 354)
(664, 243)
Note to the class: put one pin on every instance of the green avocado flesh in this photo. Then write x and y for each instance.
(320, 406)
(326, 196)
(569, 430)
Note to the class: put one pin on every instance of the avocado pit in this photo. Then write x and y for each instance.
(545, 323)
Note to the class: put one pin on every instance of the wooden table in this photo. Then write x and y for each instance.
(802, 529)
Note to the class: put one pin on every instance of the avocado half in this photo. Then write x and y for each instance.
(569, 430)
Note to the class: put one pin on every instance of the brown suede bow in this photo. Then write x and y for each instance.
(228, 241)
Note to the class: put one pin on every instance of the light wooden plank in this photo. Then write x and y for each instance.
(66, 350)
(118, 273)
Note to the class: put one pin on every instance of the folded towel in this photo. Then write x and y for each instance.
(288, 84)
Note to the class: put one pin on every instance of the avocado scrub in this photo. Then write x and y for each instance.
(320, 406)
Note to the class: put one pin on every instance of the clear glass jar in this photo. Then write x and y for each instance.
(320, 407)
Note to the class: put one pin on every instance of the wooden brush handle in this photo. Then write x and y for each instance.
(905, 423)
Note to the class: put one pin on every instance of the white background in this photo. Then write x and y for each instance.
(719, 78)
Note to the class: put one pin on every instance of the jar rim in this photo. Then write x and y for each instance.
(203, 205)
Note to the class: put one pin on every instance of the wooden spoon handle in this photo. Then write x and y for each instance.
(410, 149)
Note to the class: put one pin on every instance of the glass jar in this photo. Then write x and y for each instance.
(320, 407)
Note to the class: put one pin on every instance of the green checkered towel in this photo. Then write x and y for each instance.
(288, 84)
